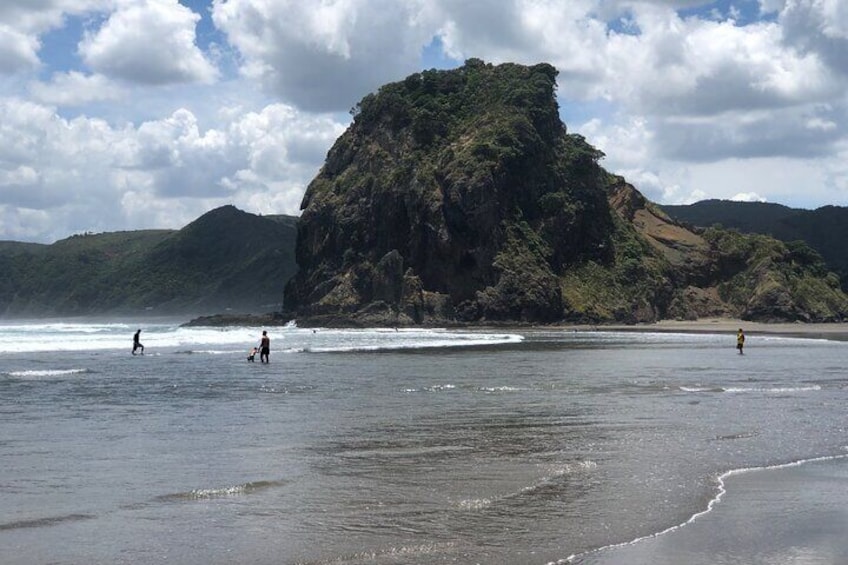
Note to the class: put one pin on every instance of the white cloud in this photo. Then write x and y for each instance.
(148, 42)
(819, 27)
(325, 57)
(74, 88)
(91, 176)
(17, 50)
(22, 23)
(747, 197)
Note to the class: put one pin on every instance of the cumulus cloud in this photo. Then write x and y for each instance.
(163, 172)
(149, 42)
(818, 27)
(17, 50)
(747, 197)
(74, 89)
(325, 57)
(23, 23)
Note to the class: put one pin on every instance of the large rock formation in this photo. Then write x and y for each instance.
(459, 196)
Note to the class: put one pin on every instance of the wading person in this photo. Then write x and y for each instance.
(264, 347)
(136, 343)
(740, 340)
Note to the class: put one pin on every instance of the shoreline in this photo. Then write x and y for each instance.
(764, 502)
(836, 331)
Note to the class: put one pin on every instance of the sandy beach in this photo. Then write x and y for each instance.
(833, 331)
(794, 513)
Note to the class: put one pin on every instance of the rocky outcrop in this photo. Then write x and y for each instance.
(460, 197)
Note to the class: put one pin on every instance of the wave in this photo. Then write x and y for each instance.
(41, 373)
(422, 342)
(721, 490)
(432, 388)
(701, 389)
(223, 492)
(298, 389)
(205, 352)
(389, 554)
(777, 389)
(450, 387)
(749, 389)
(172, 337)
(551, 474)
(496, 389)
(42, 522)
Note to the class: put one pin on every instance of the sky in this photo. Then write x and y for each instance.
(140, 114)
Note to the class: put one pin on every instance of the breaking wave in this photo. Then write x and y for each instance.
(223, 492)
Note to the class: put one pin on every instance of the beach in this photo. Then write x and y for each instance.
(794, 513)
(790, 513)
(833, 331)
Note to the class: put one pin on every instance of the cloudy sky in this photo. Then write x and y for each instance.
(132, 114)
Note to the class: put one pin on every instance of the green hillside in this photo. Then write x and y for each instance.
(824, 229)
(225, 260)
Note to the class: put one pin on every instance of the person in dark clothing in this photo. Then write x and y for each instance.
(264, 347)
(136, 343)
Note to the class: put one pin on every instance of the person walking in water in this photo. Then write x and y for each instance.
(136, 343)
(264, 347)
(740, 340)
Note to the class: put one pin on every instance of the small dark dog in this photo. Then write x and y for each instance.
(251, 356)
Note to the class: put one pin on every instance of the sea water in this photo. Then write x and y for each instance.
(416, 446)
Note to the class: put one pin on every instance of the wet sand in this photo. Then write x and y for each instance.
(833, 331)
(796, 513)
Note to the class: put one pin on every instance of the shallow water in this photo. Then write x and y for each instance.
(391, 446)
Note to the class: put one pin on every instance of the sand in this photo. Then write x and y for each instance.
(796, 514)
(834, 331)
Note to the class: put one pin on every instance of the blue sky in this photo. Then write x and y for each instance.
(130, 114)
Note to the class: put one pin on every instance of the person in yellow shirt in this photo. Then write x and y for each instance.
(740, 340)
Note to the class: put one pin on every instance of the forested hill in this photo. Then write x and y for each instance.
(225, 260)
(824, 229)
(460, 196)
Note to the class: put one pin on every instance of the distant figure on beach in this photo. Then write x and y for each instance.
(264, 347)
(136, 343)
(740, 340)
(251, 355)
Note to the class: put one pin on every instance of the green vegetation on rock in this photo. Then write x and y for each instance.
(459, 196)
(824, 229)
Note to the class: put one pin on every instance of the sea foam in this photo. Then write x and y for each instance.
(41, 373)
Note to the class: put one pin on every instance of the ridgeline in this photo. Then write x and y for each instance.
(824, 229)
(226, 260)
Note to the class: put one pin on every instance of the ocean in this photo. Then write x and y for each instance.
(424, 446)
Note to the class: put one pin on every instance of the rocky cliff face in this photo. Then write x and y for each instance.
(459, 196)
